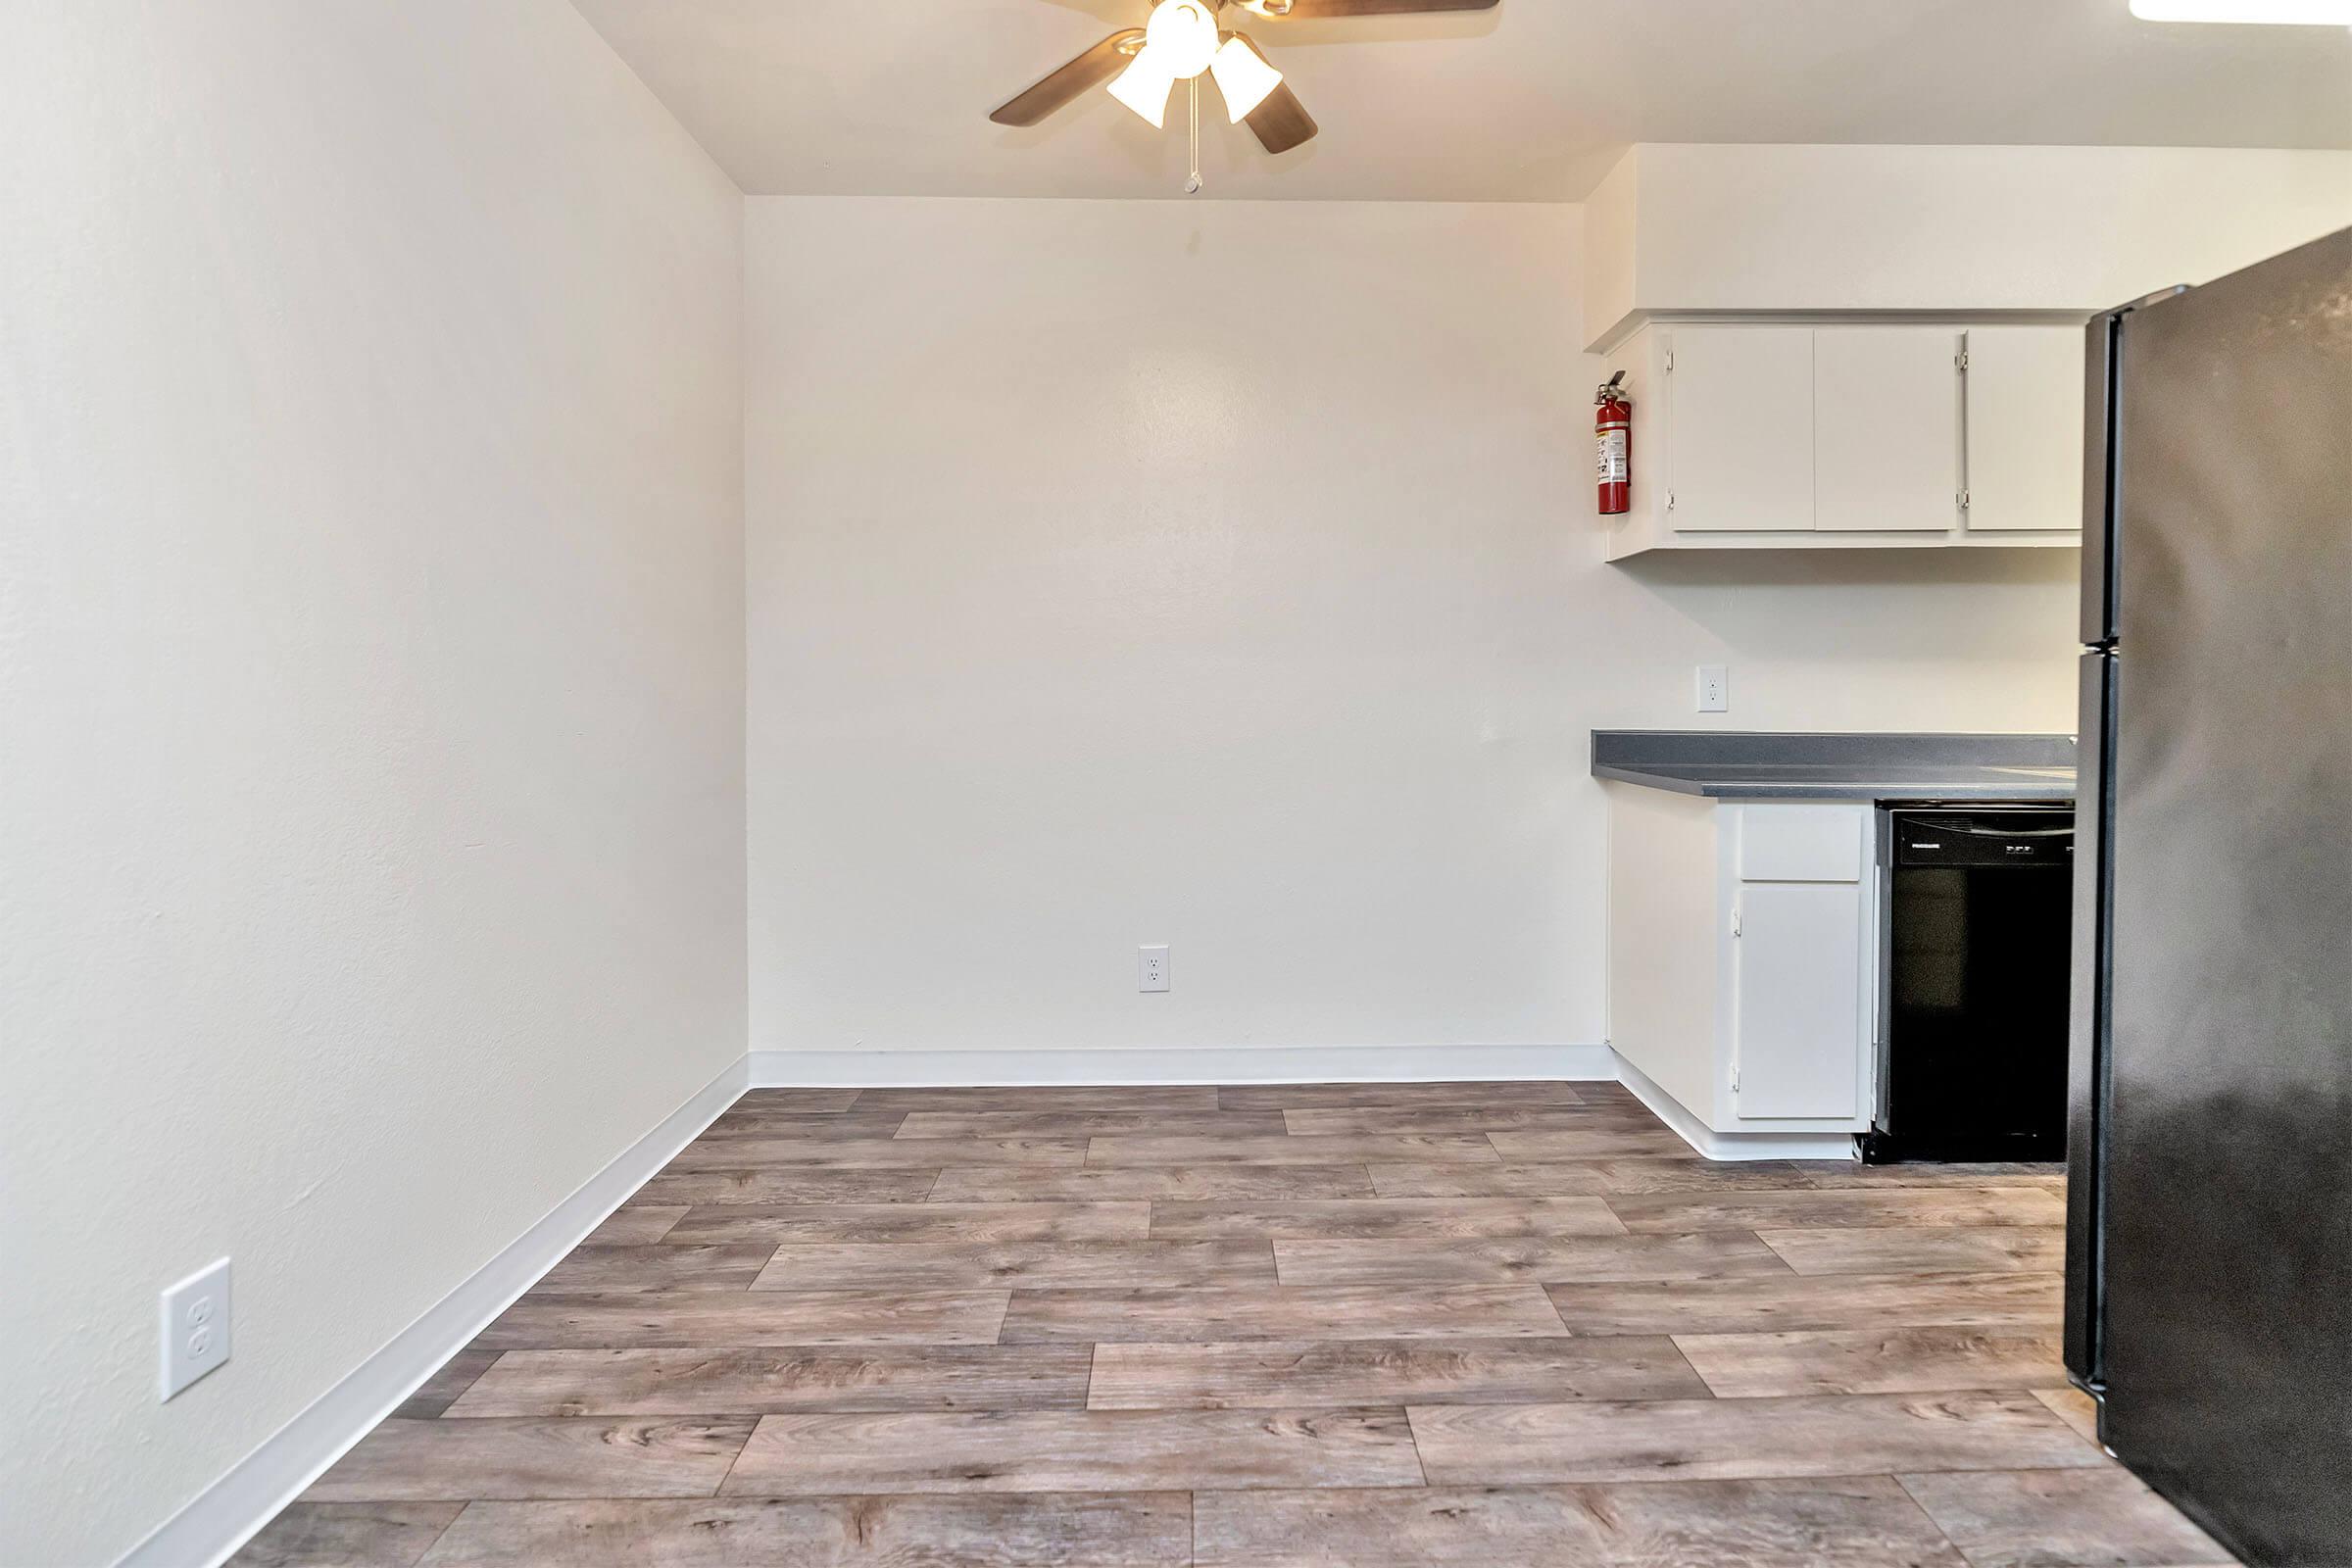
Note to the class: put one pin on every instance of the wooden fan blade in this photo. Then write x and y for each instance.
(1089, 70)
(1282, 121)
(1321, 10)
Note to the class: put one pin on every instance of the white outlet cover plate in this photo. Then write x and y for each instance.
(1714, 688)
(195, 1327)
(1152, 968)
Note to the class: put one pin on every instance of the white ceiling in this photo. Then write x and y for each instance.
(1530, 101)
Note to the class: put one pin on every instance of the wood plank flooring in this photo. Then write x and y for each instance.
(1280, 1326)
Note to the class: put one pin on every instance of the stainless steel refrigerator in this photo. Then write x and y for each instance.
(2209, 1249)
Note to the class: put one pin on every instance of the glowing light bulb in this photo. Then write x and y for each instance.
(1243, 76)
(1184, 35)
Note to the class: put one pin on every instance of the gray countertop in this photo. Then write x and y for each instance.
(1755, 765)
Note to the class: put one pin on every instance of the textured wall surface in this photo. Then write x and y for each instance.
(370, 689)
(1227, 576)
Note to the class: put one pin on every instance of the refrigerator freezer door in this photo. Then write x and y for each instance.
(2098, 477)
(2102, 371)
(2087, 1044)
(2228, 1190)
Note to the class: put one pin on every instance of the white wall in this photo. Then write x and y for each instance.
(370, 688)
(1226, 575)
(1716, 227)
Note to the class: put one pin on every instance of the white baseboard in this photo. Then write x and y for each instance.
(1728, 1145)
(232, 1509)
(1191, 1064)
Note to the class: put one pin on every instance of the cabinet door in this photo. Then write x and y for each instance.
(1741, 448)
(1797, 995)
(2024, 428)
(1885, 429)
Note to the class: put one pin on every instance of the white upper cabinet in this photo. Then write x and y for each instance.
(1781, 435)
(2024, 428)
(1740, 439)
(1885, 429)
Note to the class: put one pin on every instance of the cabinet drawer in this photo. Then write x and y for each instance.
(1800, 843)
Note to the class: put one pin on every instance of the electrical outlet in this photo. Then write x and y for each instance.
(195, 1325)
(1714, 688)
(1152, 968)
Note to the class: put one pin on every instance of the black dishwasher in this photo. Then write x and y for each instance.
(1972, 1042)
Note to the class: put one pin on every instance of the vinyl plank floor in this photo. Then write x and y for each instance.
(1090, 1450)
(1129, 1529)
(1068, 1266)
(1165, 1100)
(2061, 1519)
(762, 1382)
(1920, 1248)
(348, 1534)
(1344, 1219)
(2073, 1408)
(1371, 1372)
(1706, 1255)
(1102, 1327)
(535, 1457)
(2004, 1173)
(856, 1124)
(1387, 1120)
(787, 1184)
(1843, 1522)
(1092, 1124)
(1769, 1303)
(456, 1376)
(1873, 1360)
(1489, 1445)
(1287, 1149)
(778, 1223)
(1571, 1178)
(635, 1224)
(1599, 1143)
(800, 1101)
(695, 1318)
(1813, 1209)
(656, 1266)
(1279, 1313)
(876, 1153)
(1355, 1096)
(1204, 1183)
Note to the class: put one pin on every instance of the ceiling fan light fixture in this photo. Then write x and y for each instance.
(1243, 76)
(1143, 86)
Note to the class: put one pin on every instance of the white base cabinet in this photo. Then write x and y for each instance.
(1743, 961)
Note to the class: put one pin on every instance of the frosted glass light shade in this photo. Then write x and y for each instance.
(1244, 78)
(1143, 86)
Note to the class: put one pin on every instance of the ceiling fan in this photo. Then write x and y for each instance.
(1182, 40)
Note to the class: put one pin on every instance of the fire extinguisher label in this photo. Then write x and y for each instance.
(1612, 467)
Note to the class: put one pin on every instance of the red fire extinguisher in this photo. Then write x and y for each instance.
(1613, 434)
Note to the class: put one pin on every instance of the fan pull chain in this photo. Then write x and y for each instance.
(1192, 187)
